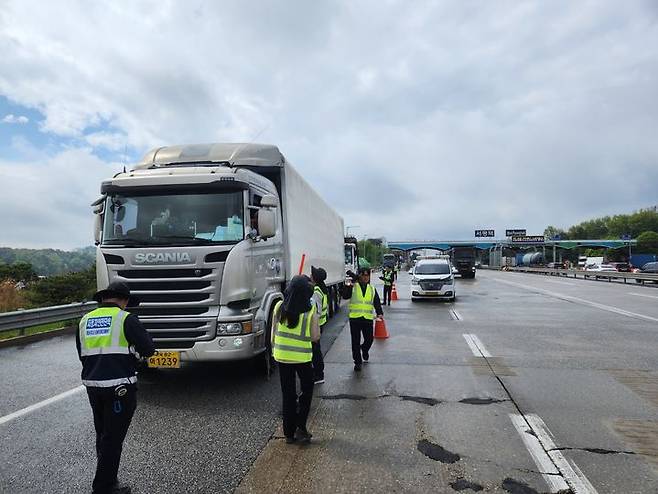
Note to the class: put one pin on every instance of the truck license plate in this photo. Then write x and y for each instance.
(165, 359)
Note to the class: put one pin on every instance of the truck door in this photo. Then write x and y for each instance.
(265, 255)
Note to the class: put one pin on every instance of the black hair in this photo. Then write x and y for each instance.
(290, 319)
(323, 287)
(296, 301)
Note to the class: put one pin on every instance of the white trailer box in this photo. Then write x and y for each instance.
(314, 231)
(208, 236)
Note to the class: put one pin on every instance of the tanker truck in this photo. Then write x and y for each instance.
(207, 236)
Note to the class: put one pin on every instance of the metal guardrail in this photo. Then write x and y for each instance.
(22, 319)
(575, 273)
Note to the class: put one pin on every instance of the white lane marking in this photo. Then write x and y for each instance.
(41, 404)
(472, 345)
(582, 301)
(548, 470)
(575, 478)
(642, 295)
(455, 315)
(476, 346)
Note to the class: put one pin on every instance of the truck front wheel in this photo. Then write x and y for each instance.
(265, 363)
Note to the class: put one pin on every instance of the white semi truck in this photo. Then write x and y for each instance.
(207, 236)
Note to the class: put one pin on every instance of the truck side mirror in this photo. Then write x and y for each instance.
(98, 218)
(269, 201)
(98, 227)
(266, 223)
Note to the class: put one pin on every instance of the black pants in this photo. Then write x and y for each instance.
(295, 413)
(358, 327)
(388, 289)
(112, 416)
(318, 362)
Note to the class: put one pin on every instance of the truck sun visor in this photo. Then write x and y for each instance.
(110, 188)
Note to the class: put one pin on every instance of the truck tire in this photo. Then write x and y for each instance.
(264, 362)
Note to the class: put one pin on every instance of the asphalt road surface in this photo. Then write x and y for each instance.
(526, 384)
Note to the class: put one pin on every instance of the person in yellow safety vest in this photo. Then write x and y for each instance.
(321, 301)
(387, 278)
(108, 341)
(364, 304)
(295, 327)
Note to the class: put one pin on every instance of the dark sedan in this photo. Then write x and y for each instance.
(622, 267)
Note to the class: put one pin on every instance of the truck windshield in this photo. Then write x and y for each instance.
(196, 218)
(442, 268)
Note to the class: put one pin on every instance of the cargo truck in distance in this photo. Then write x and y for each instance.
(463, 258)
(351, 255)
(207, 236)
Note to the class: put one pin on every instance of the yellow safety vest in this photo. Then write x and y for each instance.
(362, 304)
(294, 344)
(325, 305)
(102, 332)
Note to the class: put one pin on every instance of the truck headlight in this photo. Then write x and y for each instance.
(234, 328)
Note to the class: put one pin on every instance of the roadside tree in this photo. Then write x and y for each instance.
(647, 243)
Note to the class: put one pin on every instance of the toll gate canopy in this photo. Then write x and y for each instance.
(490, 244)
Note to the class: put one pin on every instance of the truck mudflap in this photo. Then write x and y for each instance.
(225, 348)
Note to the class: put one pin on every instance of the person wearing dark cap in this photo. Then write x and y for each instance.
(364, 304)
(109, 342)
(294, 328)
(321, 301)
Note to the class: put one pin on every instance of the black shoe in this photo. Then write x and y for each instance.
(318, 380)
(303, 436)
(357, 367)
(290, 439)
(366, 356)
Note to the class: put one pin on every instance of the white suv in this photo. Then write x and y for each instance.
(433, 278)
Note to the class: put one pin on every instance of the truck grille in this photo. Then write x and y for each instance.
(164, 273)
(177, 306)
(182, 329)
(430, 285)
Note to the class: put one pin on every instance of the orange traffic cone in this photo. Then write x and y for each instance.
(380, 329)
(394, 293)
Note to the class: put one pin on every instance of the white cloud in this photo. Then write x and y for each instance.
(10, 118)
(113, 141)
(423, 122)
(46, 199)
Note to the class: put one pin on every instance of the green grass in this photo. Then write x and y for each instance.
(42, 328)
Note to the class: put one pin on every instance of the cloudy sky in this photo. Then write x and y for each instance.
(415, 119)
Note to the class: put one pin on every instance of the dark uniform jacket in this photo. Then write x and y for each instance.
(105, 367)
